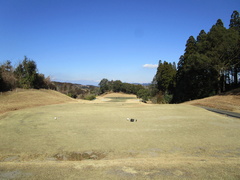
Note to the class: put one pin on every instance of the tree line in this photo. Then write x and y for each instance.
(25, 75)
(118, 86)
(76, 91)
(209, 66)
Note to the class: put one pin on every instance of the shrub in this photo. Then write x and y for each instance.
(90, 97)
(162, 98)
(72, 95)
(144, 94)
(168, 98)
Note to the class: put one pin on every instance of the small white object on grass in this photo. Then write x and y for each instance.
(131, 120)
(55, 118)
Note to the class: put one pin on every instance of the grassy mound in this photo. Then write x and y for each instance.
(229, 101)
(22, 98)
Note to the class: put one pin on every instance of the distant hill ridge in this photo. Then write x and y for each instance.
(56, 83)
(74, 90)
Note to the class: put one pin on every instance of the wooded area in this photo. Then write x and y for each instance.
(118, 86)
(25, 75)
(209, 66)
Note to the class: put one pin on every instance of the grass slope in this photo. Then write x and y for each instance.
(22, 98)
(229, 101)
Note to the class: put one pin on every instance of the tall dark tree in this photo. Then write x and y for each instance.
(191, 47)
(165, 77)
(235, 21)
(202, 43)
(183, 76)
(210, 62)
(235, 53)
(222, 51)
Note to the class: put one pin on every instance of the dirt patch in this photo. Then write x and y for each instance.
(63, 156)
(79, 156)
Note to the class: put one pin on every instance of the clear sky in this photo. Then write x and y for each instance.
(85, 41)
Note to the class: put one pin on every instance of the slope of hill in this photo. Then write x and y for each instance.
(229, 101)
(22, 98)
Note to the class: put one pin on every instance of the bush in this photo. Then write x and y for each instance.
(168, 98)
(144, 94)
(161, 98)
(72, 95)
(90, 97)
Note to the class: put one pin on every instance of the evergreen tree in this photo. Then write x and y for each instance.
(26, 73)
(165, 77)
(28, 77)
(202, 43)
(191, 47)
(235, 53)
(235, 21)
(209, 62)
(224, 43)
(104, 86)
(183, 89)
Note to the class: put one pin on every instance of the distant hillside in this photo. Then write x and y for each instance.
(74, 90)
(227, 101)
(143, 84)
(22, 98)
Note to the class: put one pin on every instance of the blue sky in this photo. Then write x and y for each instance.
(85, 41)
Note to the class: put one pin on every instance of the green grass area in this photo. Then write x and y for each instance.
(120, 99)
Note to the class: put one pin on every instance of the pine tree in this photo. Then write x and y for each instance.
(165, 77)
(209, 62)
(217, 38)
(235, 21)
(234, 27)
(191, 47)
(202, 43)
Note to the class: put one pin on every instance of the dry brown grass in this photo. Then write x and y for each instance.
(229, 101)
(167, 142)
(125, 169)
(22, 98)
